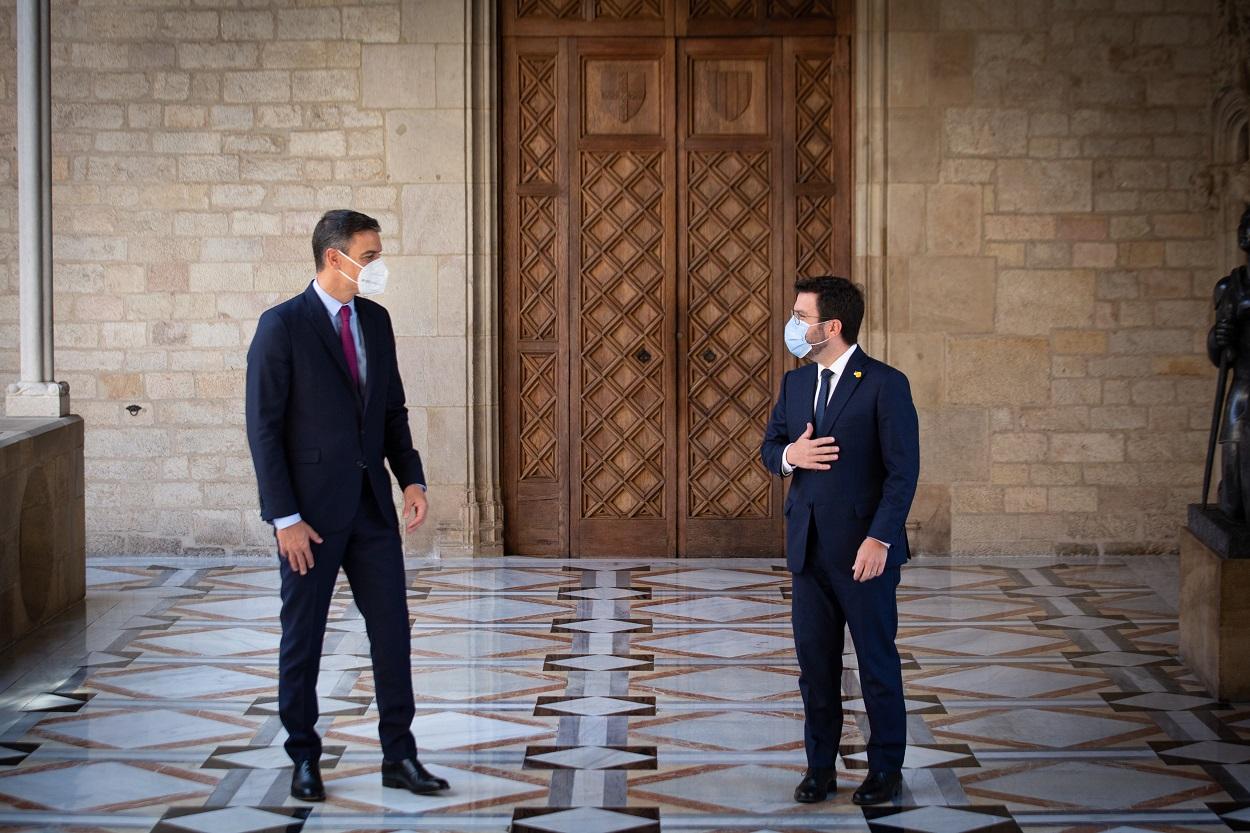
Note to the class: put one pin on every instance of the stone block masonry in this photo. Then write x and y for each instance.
(195, 149)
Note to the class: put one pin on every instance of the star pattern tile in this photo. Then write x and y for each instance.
(754, 788)
(594, 706)
(740, 731)
(450, 730)
(602, 625)
(728, 681)
(917, 756)
(264, 757)
(599, 662)
(593, 696)
(726, 644)
(1084, 784)
(183, 681)
(362, 789)
(1220, 752)
(1051, 728)
(234, 820)
(717, 609)
(714, 579)
(99, 786)
(590, 757)
(488, 609)
(1009, 681)
(150, 728)
(585, 820)
(940, 820)
(981, 641)
(463, 684)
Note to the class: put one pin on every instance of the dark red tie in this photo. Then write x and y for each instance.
(349, 343)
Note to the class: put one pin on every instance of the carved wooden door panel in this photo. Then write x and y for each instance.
(731, 242)
(535, 320)
(623, 384)
(660, 195)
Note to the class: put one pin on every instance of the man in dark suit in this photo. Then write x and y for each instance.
(325, 407)
(845, 534)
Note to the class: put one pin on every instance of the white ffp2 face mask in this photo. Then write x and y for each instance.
(372, 278)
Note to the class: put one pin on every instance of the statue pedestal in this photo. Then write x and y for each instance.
(1215, 603)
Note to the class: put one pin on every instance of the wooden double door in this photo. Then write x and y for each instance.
(660, 196)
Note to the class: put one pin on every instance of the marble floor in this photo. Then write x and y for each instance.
(621, 697)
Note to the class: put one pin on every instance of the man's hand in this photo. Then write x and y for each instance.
(295, 544)
(870, 560)
(808, 453)
(415, 502)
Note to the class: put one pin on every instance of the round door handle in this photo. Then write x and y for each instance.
(643, 356)
(708, 355)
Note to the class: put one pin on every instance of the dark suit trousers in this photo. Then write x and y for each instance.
(371, 553)
(826, 599)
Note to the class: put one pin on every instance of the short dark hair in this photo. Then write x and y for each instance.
(335, 229)
(837, 298)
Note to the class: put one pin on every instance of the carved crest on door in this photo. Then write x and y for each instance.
(623, 92)
(729, 92)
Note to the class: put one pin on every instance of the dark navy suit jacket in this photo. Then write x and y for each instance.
(867, 491)
(314, 436)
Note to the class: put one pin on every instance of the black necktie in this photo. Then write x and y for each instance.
(822, 399)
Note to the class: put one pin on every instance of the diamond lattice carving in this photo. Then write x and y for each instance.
(813, 231)
(549, 9)
(538, 416)
(622, 320)
(800, 9)
(538, 270)
(813, 140)
(629, 9)
(722, 9)
(536, 119)
(729, 243)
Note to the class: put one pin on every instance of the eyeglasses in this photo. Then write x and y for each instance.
(798, 319)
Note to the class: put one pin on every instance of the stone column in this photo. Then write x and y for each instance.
(36, 394)
(480, 531)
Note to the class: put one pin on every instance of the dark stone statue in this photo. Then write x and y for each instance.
(1228, 345)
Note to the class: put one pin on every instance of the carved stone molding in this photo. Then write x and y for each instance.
(868, 221)
(1224, 184)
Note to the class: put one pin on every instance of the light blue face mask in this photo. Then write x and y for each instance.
(796, 337)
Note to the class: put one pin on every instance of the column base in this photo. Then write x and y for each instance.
(479, 532)
(1215, 617)
(37, 399)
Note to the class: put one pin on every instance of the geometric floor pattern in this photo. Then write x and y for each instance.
(1044, 694)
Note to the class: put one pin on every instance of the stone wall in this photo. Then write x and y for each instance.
(1044, 272)
(1049, 269)
(195, 146)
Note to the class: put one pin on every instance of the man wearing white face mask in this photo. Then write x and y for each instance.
(845, 533)
(325, 408)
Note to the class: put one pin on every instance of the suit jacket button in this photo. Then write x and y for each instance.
(361, 464)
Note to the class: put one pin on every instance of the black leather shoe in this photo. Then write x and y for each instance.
(816, 785)
(306, 782)
(878, 788)
(410, 775)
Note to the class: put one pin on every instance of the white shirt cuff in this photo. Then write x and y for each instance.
(284, 522)
(879, 541)
(786, 468)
